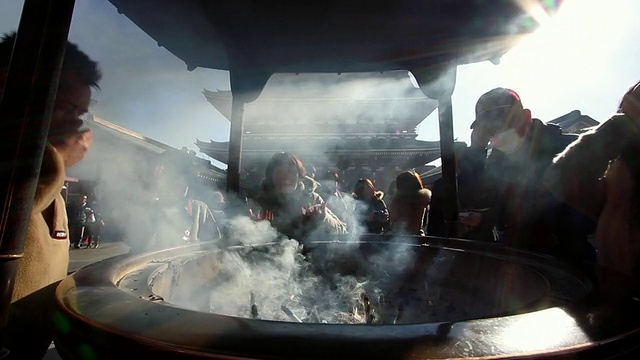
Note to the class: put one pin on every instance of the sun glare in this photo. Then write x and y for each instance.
(545, 328)
(565, 48)
(537, 10)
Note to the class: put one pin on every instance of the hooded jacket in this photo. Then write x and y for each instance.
(46, 246)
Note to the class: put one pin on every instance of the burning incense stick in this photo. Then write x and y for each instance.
(368, 317)
(290, 313)
(254, 307)
(399, 314)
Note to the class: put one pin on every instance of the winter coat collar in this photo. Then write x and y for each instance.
(51, 179)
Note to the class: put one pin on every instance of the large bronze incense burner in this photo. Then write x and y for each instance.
(459, 300)
(446, 298)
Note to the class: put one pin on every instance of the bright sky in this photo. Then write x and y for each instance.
(584, 58)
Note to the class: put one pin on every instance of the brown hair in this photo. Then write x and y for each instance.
(358, 189)
(408, 181)
(630, 103)
(279, 159)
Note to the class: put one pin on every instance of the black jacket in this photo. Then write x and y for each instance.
(530, 216)
(471, 196)
(374, 214)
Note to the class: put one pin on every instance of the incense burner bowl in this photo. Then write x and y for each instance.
(492, 301)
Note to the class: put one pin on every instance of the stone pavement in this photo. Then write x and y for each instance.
(79, 258)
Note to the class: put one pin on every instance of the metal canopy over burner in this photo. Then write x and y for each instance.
(332, 35)
(123, 307)
(254, 39)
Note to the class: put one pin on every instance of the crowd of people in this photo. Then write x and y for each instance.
(85, 223)
(522, 183)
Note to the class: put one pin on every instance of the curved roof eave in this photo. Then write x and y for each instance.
(271, 36)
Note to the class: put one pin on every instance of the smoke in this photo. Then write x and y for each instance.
(331, 103)
(272, 278)
(269, 277)
(320, 116)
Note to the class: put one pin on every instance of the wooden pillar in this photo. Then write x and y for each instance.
(246, 85)
(447, 155)
(439, 85)
(25, 110)
(235, 144)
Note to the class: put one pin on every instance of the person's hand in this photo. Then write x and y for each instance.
(379, 215)
(470, 219)
(313, 212)
(480, 137)
(74, 147)
(261, 215)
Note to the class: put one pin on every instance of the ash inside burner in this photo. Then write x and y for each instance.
(346, 284)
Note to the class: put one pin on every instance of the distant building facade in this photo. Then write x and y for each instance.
(574, 122)
(361, 125)
(118, 171)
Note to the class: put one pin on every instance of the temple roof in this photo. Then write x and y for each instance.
(350, 102)
(574, 122)
(390, 146)
(123, 134)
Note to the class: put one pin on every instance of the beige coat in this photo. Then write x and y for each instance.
(618, 234)
(46, 258)
(590, 176)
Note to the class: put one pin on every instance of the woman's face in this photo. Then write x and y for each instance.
(285, 179)
(367, 193)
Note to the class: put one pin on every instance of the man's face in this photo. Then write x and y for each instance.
(72, 101)
(510, 138)
(285, 179)
(480, 137)
(498, 119)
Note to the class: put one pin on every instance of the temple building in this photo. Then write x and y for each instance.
(119, 167)
(359, 124)
(574, 122)
(120, 158)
